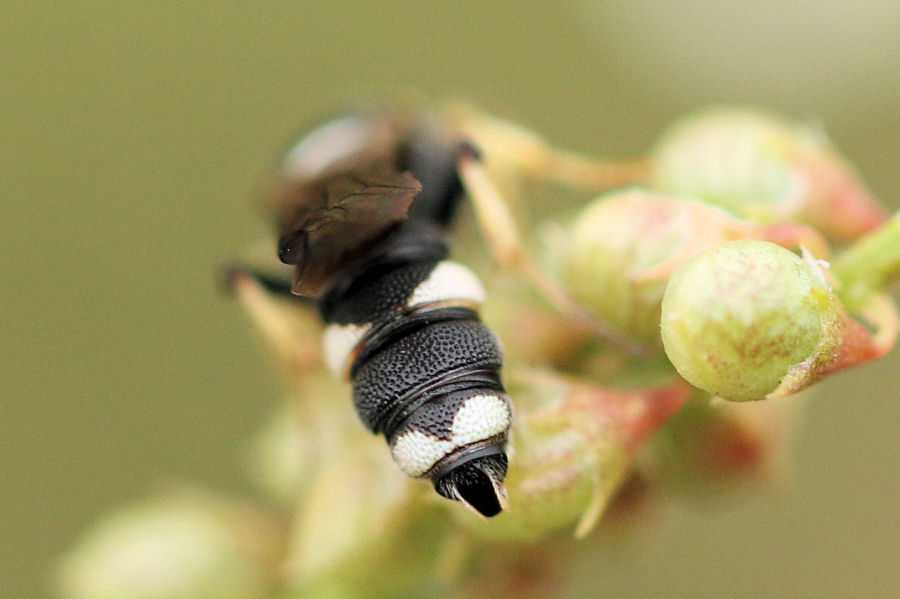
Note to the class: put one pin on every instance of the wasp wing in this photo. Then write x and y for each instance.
(330, 224)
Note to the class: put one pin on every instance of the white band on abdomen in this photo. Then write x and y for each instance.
(339, 343)
(478, 418)
(447, 282)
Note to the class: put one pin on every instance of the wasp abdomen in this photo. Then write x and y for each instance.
(364, 205)
(425, 374)
(418, 366)
(390, 301)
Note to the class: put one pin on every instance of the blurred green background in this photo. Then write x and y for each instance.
(133, 135)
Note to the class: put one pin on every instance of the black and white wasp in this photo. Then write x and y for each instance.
(364, 202)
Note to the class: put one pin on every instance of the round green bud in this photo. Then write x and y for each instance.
(614, 241)
(171, 548)
(738, 318)
(625, 245)
(766, 168)
(731, 158)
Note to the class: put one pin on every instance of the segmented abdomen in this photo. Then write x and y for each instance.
(425, 371)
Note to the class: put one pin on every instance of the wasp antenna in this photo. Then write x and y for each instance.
(230, 275)
(466, 150)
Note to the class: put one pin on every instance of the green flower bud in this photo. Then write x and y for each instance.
(174, 548)
(625, 245)
(352, 500)
(765, 168)
(282, 454)
(748, 320)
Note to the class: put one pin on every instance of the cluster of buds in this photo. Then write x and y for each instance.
(745, 261)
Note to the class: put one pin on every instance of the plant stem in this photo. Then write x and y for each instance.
(870, 263)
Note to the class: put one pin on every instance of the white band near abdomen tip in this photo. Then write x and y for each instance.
(478, 418)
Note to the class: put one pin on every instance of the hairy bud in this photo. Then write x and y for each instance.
(750, 320)
(765, 168)
(625, 245)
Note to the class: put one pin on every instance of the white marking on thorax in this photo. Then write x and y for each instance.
(448, 281)
(339, 342)
(326, 145)
(480, 417)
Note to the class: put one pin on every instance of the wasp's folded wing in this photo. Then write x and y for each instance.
(331, 224)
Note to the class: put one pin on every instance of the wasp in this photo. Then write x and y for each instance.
(363, 204)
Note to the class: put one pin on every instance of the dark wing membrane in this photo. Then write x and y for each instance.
(330, 224)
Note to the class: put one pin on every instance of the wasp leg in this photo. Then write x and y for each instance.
(273, 283)
(288, 323)
(523, 151)
(499, 229)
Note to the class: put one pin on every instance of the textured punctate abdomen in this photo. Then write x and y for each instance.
(394, 377)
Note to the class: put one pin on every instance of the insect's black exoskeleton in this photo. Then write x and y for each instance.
(364, 202)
